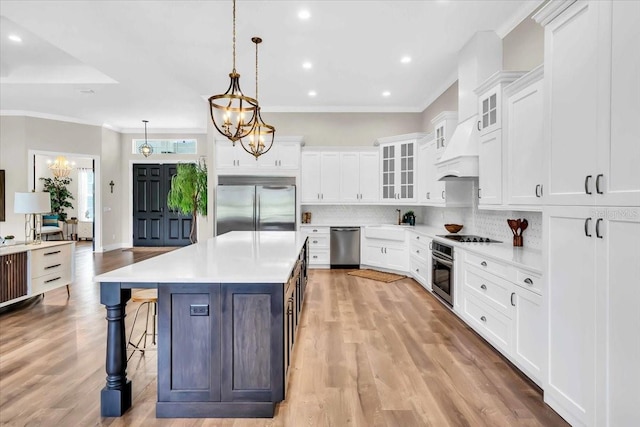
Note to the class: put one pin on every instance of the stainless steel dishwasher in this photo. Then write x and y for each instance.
(345, 247)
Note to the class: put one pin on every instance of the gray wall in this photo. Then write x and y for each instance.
(448, 101)
(523, 47)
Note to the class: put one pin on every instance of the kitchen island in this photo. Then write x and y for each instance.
(228, 309)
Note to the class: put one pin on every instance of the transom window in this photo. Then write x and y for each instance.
(168, 146)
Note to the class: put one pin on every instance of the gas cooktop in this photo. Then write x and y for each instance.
(469, 238)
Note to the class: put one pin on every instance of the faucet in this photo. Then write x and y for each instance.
(399, 219)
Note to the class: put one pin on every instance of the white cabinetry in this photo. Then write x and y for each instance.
(503, 303)
(490, 126)
(359, 177)
(320, 177)
(524, 142)
(283, 158)
(420, 259)
(51, 268)
(398, 159)
(592, 102)
(385, 248)
(444, 124)
(319, 245)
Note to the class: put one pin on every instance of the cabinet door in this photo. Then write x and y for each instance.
(269, 160)
(440, 137)
(619, 154)
(388, 171)
(421, 173)
(571, 307)
(373, 253)
(369, 177)
(490, 168)
(571, 88)
(13, 276)
(490, 114)
(310, 177)
(524, 146)
(349, 177)
(396, 258)
(618, 299)
(406, 169)
(288, 155)
(435, 189)
(225, 155)
(529, 332)
(330, 177)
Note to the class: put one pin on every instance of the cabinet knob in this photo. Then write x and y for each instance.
(484, 319)
(483, 287)
(417, 251)
(417, 270)
(483, 263)
(417, 237)
(315, 241)
(528, 281)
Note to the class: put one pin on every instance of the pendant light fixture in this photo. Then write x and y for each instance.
(145, 149)
(260, 132)
(232, 112)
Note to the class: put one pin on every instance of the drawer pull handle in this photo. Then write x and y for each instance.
(52, 280)
(483, 263)
(417, 237)
(513, 294)
(315, 231)
(315, 241)
(52, 266)
(483, 287)
(484, 319)
(315, 256)
(528, 281)
(417, 270)
(417, 251)
(52, 253)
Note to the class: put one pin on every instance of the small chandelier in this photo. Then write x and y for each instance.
(260, 131)
(61, 167)
(232, 112)
(145, 149)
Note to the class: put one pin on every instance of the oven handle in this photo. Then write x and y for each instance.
(445, 261)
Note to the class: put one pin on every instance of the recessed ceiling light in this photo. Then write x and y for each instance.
(307, 65)
(405, 59)
(304, 14)
(15, 38)
(312, 93)
(386, 93)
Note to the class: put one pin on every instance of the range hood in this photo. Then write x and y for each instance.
(480, 58)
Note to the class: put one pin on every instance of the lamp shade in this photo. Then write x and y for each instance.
(30, 203)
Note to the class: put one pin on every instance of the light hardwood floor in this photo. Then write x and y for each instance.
(368, 354)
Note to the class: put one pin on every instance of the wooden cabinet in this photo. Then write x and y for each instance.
(282, 158)
(525, 140)
(490, 168)
(359, 177)
(398, 159)
(320, 177)
(13, 276)
(592, 101)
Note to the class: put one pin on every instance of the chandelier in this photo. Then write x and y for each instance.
(260, 131)
(232, 112)
(60, 167)
(145, 149)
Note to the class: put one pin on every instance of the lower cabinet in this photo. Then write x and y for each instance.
(51, 268)
(420, 259)
(13, 276)
(387, 254)
(503, 303)
(225, 349)
(319, 245)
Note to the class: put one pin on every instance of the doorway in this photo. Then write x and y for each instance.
(154, 224)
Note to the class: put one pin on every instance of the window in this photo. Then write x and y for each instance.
(85, 194)
(168, 146)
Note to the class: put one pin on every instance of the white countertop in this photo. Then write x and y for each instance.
(13, 249)
(234, 257)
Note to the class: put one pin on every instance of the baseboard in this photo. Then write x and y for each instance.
(112, 247)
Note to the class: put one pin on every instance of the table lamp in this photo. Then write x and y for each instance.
(32, 205)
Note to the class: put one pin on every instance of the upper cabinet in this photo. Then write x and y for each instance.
(359, 177)
(490, 126)
(524, 140)
(282, 159)
(444, 124)
(398, 157)
(592, 102)
(320, 177)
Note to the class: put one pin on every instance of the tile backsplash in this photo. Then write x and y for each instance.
(356, 214)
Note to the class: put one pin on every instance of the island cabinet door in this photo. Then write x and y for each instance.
(189, 342)
(252, 342)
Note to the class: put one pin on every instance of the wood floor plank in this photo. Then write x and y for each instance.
(367, 354)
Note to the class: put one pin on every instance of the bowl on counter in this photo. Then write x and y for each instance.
(453, 228)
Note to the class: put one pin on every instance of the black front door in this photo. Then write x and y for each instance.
(153, 223)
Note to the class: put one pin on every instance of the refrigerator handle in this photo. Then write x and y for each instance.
(256, 216)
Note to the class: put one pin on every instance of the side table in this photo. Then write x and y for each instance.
(72, 225)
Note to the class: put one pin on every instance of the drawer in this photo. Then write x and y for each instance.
(420, 252)
(529, 280)
(319, 256)
(495, 327)
(487, 264)
(318, 241)
(50, 281)
(315, 230)
(488, 288)
(420, 271)
(49, 260)
(420, 239)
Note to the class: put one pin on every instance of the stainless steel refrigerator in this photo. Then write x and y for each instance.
(263, 207)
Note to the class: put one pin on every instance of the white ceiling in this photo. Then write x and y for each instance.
(161, 60)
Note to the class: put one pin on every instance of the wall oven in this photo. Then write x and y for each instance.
(442, 271)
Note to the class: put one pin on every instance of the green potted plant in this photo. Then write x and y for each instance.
(409, 218)
(188, 193)
(60, 195)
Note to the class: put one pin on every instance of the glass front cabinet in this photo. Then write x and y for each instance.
(398, 167)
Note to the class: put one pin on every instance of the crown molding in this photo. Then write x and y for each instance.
(531, 77)
(499, 77)
(551, 10)
(517, 18)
